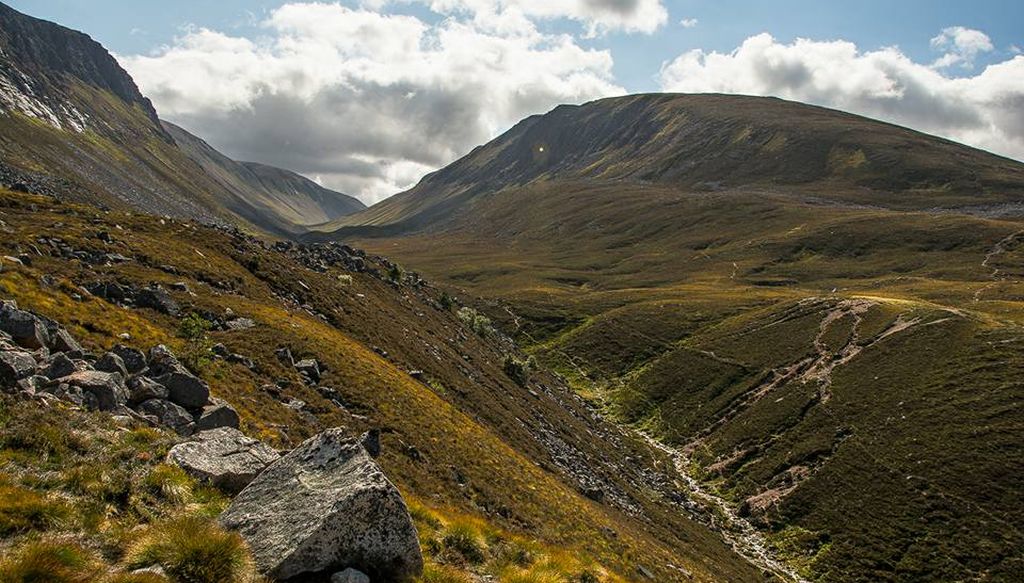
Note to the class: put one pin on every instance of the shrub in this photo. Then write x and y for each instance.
(194, 329)
(476, 321)
(193, 550)
(50, 562)
(395, 273)
(518, 370)
(447, 302)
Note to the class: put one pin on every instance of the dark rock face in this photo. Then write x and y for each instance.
(185, 389)
(322, 508)
(142, 388)
(223, 457)
(62, 341)
(157, 298)
(62, 366)
(134, 360)
(218, 414)
(111, 362)
(106, 388)
(24, 327)
(169, 414)
(15, 366)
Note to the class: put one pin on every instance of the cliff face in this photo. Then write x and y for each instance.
(42, 61)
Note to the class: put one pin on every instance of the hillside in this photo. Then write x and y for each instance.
(74, 124)
(818, 314)
(263, 193)
(710, 143)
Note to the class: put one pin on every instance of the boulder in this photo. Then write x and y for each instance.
(223, 457)
(350, 576)
(169, 414)
(239, 324)
(61, 365)
(24, 327)
(14, 366)
(217, 414)
(324, 507)
(142, 388)
(107, 389)
(111, 362)
(310, 368)
(62, 341)
(134, 360)
(185, 389)
(157, 298)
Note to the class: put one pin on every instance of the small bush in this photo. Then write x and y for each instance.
(518, 370)
(50, 562)
(447, 302)
(476, 321)
(464, 541)
(194, 329)
(193, 550)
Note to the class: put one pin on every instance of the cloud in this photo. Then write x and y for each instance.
(962, 45)
(367, 101)
(598, 16)
(985, 110)
(688, 22)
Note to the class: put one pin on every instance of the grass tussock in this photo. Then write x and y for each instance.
(51, 562)
(193, 549)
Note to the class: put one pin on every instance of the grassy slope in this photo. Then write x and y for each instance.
(473, 457)
(675, 307)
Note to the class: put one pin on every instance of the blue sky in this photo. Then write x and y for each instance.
(366, 96)
(130, 27)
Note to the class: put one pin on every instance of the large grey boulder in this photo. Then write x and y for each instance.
(111, 362)
(185, 389)
(28, 330)
(142, 388)
(322, 508)
(62, 341)
(106, 388)
(169, 414)
(61, 366)
(133, 358)
(223, 457)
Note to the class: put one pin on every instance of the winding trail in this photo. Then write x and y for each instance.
(998, 249)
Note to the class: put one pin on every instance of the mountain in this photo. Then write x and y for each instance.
(818, 314)
(262, 193)
(74, 124)
(712, 143)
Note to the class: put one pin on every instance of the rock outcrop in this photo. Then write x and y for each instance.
(324, 507)
(223, 457)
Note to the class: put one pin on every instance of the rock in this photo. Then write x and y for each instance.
(285, 356)
(63, 341)
(223, 457)
(310, 368)
(218, 414)
(371, 442)
(350, 576)
(33, 384)
(24, 327)
(14, 366)
(169, 414)
(106, 388)
(62, 365)
(326, 506)
(157, 298)
(142, 388)
(220, 350)
(239, 324)
(134, 360)
(162, 360)
(185, 389)
(111, 362)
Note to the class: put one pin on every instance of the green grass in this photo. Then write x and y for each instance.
(193, 549)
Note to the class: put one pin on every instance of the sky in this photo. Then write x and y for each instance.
(367, 96)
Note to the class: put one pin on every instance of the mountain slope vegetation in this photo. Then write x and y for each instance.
(818, 313)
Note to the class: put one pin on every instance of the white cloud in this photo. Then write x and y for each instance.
(367, 101)
(962, 45)
(689, 22)
(985, 110)
(599, 16)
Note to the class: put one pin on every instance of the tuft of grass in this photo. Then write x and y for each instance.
(463, 540)
(193, 549)
(170, 482)
(23, 510)
(50, 562)
(433, 573)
